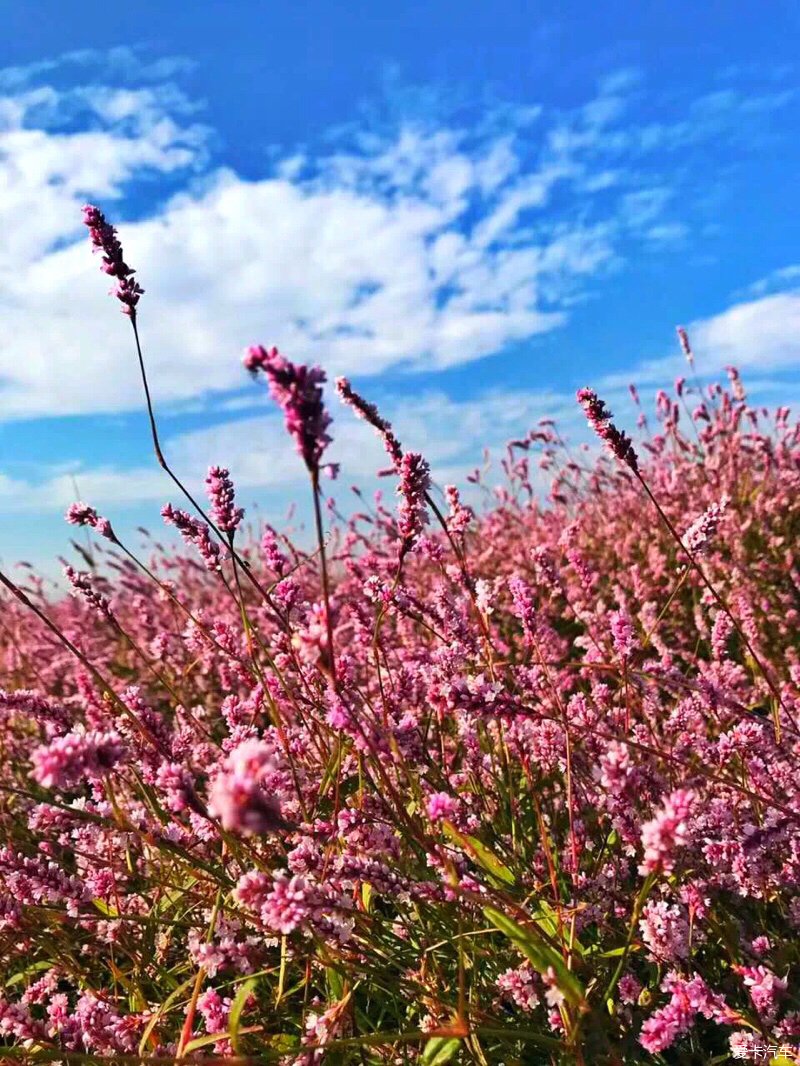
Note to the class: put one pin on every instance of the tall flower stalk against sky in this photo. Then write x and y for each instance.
(683, 340)
(297, 390)
(370, 413)
(105, 240)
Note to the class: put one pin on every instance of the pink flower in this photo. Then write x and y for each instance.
(629, 988)
(688, 998)
(702, 531)
(520, 987)
(414, 484)
(80, 514)
(667, 832)
(83, 588)
(441, 805)
(599, 418)
(66, 760)
(297, 390)
(665, 930)
(460, 516)
(104, 239)
(683, 339)
(622, 634)
(369, 413)
(195, 533)
(765, 989)
(237, 796)
(221, 494)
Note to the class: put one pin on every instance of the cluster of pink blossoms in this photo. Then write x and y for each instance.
(80, 514)
(105, 240)
(668, 831)
(65, 761)
(298, 392)
(237, 795)
(221, 493)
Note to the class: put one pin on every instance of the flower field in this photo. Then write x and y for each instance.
(483, 776)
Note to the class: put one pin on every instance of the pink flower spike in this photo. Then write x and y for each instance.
(219, 487)
(297, 389)
(81, 514)
(683, 340)
(237, 796)
(599, 418)
(441, 805)
(68, 759)
(104, 239)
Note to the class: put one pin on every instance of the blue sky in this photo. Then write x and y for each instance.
(470, 209)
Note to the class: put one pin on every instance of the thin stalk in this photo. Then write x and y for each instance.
(162, 462)
(325, 582)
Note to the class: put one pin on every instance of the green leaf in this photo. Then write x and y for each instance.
(615, 953)
(331, 770)
(547, 920)
(366, 895)
(104, 908)
(202, 1041)
(44, 964)
(236, 1011)
(481, 854)
(440, 1049)
(335, 983)
(541, 956)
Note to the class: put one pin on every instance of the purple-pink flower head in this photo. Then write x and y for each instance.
(414, 485)
(666, 832)
(83, 588)
(104, 240)
(68, 759)
(599, 418)
(237, 795)
(195, 533)
(297, 389)
(703, 530)
(441, 805)
(622, 634)
(765, 989)
(219, 487)
(81, 514)
(683, 340)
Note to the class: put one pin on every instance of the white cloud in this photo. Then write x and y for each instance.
(423, 250)
(780, 280)
(761, 334)
(47, 172)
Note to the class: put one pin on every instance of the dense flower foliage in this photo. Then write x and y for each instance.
(482, 784)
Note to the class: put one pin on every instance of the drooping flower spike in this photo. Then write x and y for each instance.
(297, 389)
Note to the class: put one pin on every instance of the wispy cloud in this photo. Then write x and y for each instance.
(760, 335)
(421, 249)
